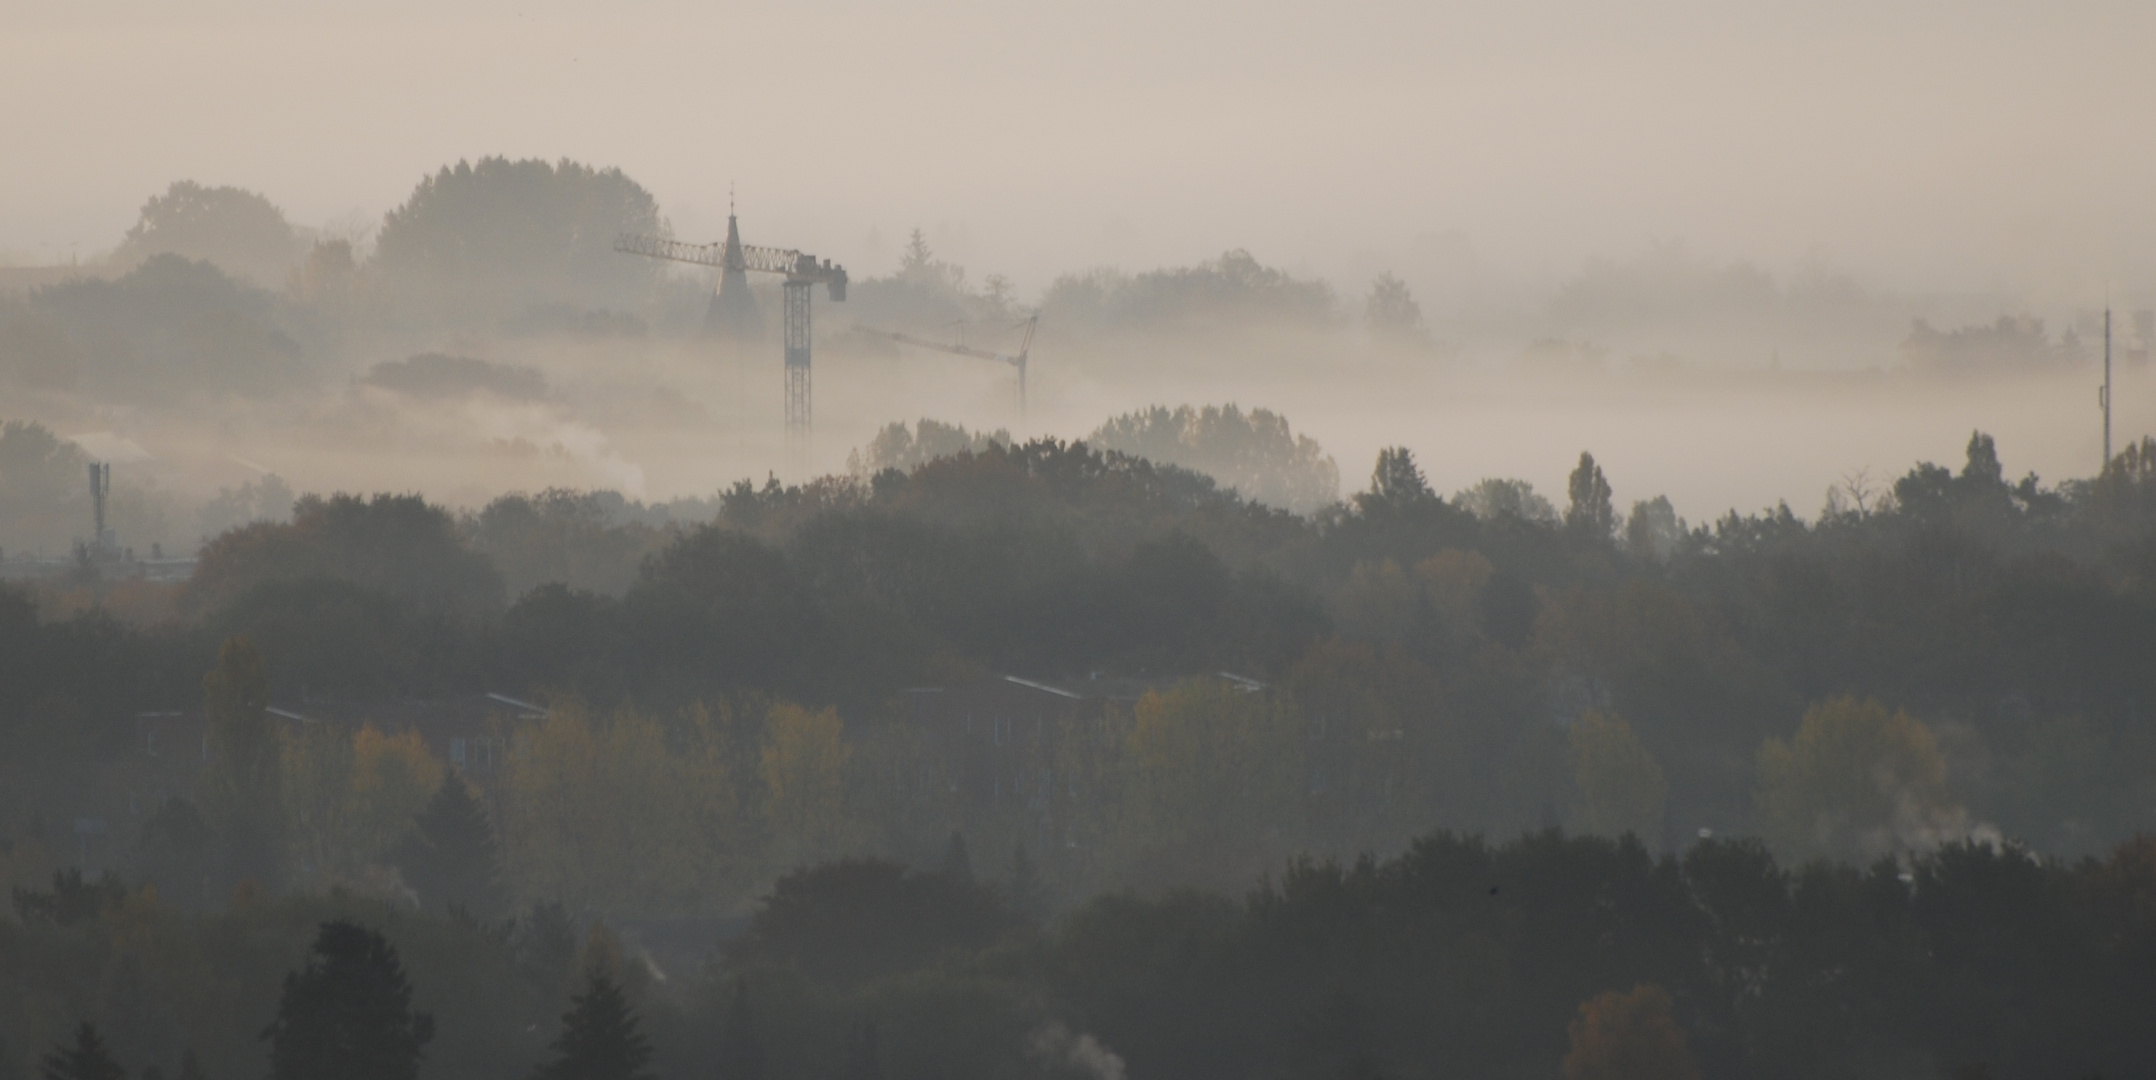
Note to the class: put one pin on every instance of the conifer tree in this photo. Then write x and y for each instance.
(85, 1060)
(348, 1014)
(450, 858)
(599, 1037)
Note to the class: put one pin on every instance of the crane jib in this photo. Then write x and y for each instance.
(794, 265)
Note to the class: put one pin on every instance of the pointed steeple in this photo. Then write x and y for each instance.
(732, 313)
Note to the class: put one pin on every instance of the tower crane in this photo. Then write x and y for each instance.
(735, 259)
(1016, 360)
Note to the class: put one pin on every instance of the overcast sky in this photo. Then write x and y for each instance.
(1928, 145)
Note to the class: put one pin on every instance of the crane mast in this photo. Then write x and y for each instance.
(801, 271)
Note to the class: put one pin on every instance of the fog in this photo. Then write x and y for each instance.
(1339, 542)
(1936, 146)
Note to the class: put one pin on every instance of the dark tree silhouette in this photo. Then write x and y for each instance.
(348, 1014)
(1590, 512)
(190, 1066)
(86, 1059)
(599, 1038)
(450, 857)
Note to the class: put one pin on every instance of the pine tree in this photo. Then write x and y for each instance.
(348, 1014)
(86, 1060)
(450, 857)
(599, 1037)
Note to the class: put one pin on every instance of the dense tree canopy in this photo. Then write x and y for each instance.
(240, 231)
(491, 238)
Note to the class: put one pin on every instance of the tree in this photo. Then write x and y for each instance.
(87, 1059)
(804, 774)
(1211, 785)
(190, 1066)
(1622, 789)
(1653, 530)
(397, 544)
(857, 919)
(1256, 453)
(599, 1038)
(242, 232)
(1628, 1035)
(348, 1014)
(1590, 513)
(241, 790)
(1396, 485)
(486, 239)
(1856, 782)
(450, 857)
(1394, 316)
(1497, 499)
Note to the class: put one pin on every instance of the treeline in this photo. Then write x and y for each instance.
(1546, 955)
(1956, 656)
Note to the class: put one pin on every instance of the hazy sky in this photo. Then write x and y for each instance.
(1926, 144)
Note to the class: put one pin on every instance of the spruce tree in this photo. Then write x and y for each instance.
(599, 1037)
(85, 1060)
(450, 857)
(348, 1014)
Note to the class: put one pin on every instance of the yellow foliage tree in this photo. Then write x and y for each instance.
(349, 798)
(804, 774)
(1856, 783)
(393, 776)
(1452, 580)
(620, 815)
(1629, 1035)
(1622, 789)
(554, 833)
(317, 790)
(1211, 785)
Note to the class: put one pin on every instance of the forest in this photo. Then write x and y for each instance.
(1412, 785)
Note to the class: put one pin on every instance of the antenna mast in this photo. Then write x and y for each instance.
(2104, 397)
